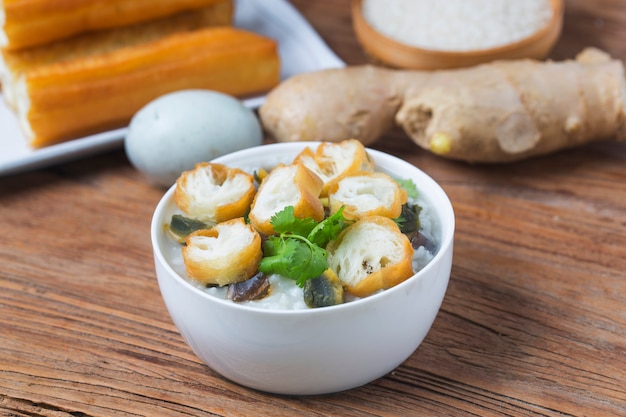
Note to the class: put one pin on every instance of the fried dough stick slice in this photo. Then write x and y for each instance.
(371, 255)
(227, 253)
(333, 161)
(214, 193)
(287, 186)
(367, 194)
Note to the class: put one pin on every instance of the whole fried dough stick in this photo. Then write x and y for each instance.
(79, 97)
(497, 112)
(36, 22)
(16, 64)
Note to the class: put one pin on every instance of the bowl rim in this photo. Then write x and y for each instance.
(445, 213)
(558, 8)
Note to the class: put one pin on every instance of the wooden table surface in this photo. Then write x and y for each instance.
(533, 323)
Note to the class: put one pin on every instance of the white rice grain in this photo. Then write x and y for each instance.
(457, 25)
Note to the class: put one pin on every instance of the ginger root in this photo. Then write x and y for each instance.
(497, 112)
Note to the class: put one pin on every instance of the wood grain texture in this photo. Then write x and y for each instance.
(533, 323)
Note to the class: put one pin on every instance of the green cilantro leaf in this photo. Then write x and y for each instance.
(408, 186)
(285, 221)
(328, 229)
(298, 251)
(293, 257)
(280, 255)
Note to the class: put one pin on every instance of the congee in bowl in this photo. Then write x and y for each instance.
(317, 247)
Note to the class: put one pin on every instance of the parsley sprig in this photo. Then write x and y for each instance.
(298, 251)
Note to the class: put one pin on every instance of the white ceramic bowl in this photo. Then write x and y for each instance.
(313, 351)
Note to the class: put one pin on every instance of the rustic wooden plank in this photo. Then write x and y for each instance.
(533, 323)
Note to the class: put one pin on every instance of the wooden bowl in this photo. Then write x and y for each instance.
(396, 54)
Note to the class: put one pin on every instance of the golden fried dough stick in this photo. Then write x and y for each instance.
(370, 255)
(214, 193)
(229, 252)
(15, 63)
(367, 194)
(287, 185)
(332, 161)
(36, 22)
(80, 97)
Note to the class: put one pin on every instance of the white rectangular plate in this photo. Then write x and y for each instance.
(301, 50)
